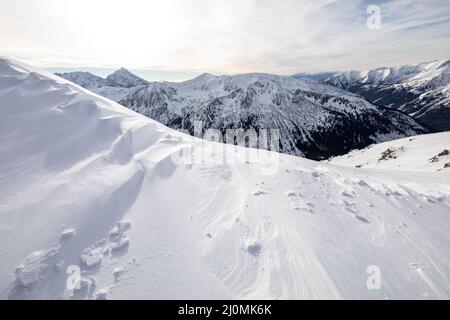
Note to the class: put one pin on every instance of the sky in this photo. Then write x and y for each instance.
(177, 39)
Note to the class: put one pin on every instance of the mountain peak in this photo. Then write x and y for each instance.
(122, 70)
(83, 78)
(204, 76)
(124, 78)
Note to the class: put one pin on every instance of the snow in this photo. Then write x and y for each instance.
(422, 91)
(85, 79)
(430, 80)
(113, 93)
(308, 114)
(144, 225)
(420, 153)
(206, 86)
(124, 79)
(116, 86)
(421, 75)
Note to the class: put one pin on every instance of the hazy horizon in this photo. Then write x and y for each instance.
(175, 40)
(179, 76)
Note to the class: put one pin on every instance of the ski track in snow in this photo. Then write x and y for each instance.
(88, 183)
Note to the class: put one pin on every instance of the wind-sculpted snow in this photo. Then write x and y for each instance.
(99, 202)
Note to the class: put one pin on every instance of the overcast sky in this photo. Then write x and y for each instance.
(182, 37)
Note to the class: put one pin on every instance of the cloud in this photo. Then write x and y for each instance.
(224, 36)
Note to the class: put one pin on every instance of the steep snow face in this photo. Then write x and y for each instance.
(315, 120)
(422, 153)
(85, 79)
(422, 91)
(96, 203)
(125, 79)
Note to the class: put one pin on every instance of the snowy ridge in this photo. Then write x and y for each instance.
(318, 76)
(427, 74)
(115, 87)
(422, 153)
(89, 184)
(422, 91)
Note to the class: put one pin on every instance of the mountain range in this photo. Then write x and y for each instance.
(120, 78)
(115, 86)
(421, 90)
(315, 120)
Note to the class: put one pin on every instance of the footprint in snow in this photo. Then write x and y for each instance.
(260, 193)
(298, 202)
(316, 174)
(361, 218)
(291, 194)
(414, 265)
(348, 193)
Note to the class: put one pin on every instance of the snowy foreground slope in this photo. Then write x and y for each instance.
(429, 152)
(86, 183)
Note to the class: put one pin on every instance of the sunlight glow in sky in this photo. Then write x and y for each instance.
(223, 36)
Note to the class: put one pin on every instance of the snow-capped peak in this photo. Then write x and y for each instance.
(85, 79)
(420, 74)
(125, 79)
(421, 90)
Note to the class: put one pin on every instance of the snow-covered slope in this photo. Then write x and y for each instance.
(89, 184)
(314, 120)
(422, 153)
(422, 91)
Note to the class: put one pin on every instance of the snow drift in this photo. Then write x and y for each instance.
(92, 197)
